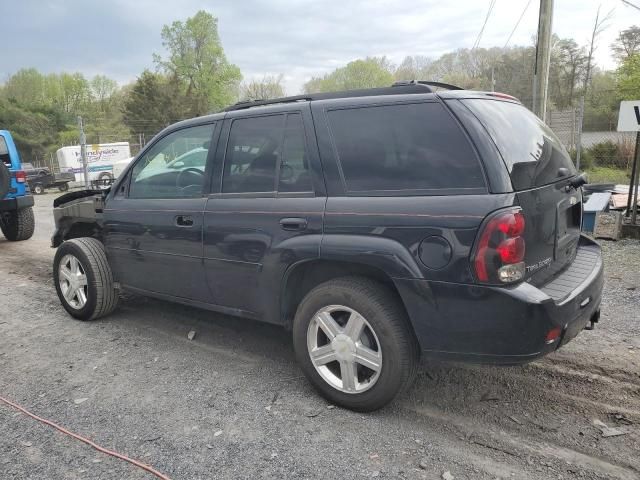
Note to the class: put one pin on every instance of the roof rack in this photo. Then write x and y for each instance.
(446, 86)
(398, 88)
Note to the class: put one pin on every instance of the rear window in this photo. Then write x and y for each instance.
(532, 152)
(415, 148)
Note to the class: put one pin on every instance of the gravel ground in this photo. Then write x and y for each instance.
(233, 404)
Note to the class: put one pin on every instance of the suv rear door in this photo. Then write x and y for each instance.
(266, 207)
(540, 168)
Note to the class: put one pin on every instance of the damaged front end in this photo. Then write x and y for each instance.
(78, 214)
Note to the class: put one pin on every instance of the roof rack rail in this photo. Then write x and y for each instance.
(447, 86)
(398, 88)
(257, 103)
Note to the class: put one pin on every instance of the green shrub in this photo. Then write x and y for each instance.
(586, 159)
(607, 154)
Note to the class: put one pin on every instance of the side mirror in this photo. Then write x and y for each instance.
(578, 181)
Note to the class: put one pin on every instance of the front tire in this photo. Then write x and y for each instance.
(38, 189)
(18, 225)
(353, 342)
(83, 279)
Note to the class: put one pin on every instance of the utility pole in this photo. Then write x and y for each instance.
(543, 58)
(83, 152)
(579, 139)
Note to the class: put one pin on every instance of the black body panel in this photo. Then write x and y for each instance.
(233, 251)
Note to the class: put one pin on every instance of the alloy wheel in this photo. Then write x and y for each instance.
(344, 349)
(73, 282)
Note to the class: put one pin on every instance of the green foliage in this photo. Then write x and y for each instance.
(32, 131)
(601, 104)
(586, 159)
(368, 73)
(608, 175)
(197, 60)
(153, 103)
(607, 154)
(628, 74)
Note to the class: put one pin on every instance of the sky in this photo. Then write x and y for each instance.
(296, 38)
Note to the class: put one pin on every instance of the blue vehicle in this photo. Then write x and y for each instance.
(16, 215)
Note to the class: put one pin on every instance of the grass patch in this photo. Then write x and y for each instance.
(608, 175)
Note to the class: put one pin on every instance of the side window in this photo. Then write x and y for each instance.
(253, 153)
(294, 175)
(403, 147)
(4, 152)
(174, 167)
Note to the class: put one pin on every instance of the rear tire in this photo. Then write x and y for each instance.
(18, 225)
(392, 348)
(63, 187)
(83, 279)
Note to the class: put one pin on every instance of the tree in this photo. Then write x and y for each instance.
(413, 68)
(197, 60)
(368, 73)
(103, 90)
(74, 92)
(601, 105)
(599, 25)
(153, 103)
(568, 66)
(627, 43)
(269, 87)
(26, 87)
(628, 76)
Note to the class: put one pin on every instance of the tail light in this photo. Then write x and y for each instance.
(21, 177)
(500, 248)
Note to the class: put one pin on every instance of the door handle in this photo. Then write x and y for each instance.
(184, 221)
(293, 224)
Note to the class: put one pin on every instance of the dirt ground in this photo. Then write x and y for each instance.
(232, 404)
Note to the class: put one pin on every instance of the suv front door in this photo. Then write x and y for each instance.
(153, 222)
(265, 213)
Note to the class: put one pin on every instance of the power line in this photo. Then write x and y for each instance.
(479, 37)
(517, 23)
(630, 4)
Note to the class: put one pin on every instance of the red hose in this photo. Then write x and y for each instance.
(87, 441)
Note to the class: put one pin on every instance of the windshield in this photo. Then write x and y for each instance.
(532, 152)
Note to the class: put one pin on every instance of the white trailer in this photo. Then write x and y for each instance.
(100, 160)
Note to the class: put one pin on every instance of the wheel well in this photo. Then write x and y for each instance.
(83, 229)
(308, 275)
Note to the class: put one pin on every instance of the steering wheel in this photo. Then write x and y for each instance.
(197, 177)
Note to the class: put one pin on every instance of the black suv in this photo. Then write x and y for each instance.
(377, 225)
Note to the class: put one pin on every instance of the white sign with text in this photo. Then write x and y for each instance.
(629, 116)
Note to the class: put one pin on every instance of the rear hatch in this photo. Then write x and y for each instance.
(540, 169)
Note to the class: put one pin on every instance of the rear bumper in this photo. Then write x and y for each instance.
(16, 203)
(505, 324)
